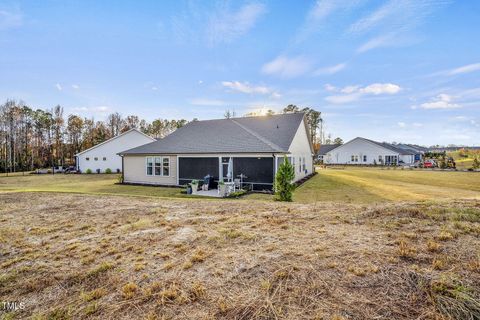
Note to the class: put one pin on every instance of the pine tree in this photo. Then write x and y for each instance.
(283, 181)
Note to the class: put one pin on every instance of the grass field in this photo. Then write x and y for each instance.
(107, 257)
(364, 185)
(355, 244)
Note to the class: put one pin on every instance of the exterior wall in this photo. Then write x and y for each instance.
(109, 150)
(135, 170)
(358, 147)
(408, 158)
(300, 151)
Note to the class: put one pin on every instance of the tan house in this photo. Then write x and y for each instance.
(255, 146)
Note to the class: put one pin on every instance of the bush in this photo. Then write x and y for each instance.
(108, 170)
(89, 171)
(283, 181)
(476, 164)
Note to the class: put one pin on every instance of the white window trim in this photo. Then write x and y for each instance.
(161, 166)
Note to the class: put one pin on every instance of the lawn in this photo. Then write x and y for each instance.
(77, 256)
(351, 185)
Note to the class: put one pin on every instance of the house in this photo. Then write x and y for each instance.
(363, 151)
(105, 156)
(324, 150)
(256, 145)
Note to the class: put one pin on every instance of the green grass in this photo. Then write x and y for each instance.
(353, 185)
(88, 184)
(366, 185)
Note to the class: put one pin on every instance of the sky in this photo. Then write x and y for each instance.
(403, 71)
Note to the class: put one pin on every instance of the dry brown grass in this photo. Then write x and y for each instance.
(108, 257)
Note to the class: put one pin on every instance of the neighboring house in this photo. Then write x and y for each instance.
(324, 150)
(257, 146)
(105, 155)
(364, 151)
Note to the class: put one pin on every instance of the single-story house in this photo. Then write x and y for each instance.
(324, 150)
(105, 156)
(363, 151)
(256, 145)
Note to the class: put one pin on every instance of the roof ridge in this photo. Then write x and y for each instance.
(256, 135)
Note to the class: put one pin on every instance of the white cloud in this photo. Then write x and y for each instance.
(154, 88)
(10, 19)
(207, 102)
(200, 81)
(330, 88)
(286, 67)
(245, 87)
(442, 101)
(381, 88)
(353, 93)
(465, 69)
(101, 109)
(58, 86)
(75, 86)
(401, 124)
(377, 42)
(224, 26)
(331, 69)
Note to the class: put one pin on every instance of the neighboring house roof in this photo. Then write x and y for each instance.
(384, 145)
(116, 137)
(326, 148)
(265, 134)
(410, 147)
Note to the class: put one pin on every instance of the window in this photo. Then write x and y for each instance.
(104, 158)
(299, 164)
(149, 166)
(304, 166)
(158, 166)
(364, 158)
(356, 158)
(353, 158)
(96, 159)
(87, 158)
(166, 167)
(380, 158)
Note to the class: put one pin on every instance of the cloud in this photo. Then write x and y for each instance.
(330, 88)
(100, 110)
(58, 86)
(442, 101)
(353, 93)
(75, 86)
(320, 12)
(465, 69)
(10, 19)
(154, 88)
(286, 67)
(224, 26)
(381, 88)
(207, 102)
(377, 42)
(331, 69)
(245, 87)
(399, 16)
(401, 124)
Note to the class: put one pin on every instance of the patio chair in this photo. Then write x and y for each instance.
(237, 184)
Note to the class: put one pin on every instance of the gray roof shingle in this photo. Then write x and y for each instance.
(266, 134)
(325, 148)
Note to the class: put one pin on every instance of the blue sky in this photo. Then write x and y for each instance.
(387, 70)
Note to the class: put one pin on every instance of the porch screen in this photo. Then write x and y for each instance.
(258, 171)
(196, 168)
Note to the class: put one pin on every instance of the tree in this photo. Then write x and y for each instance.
(291, 108)
(338, 140)
(283, 181)
(476, 163)
(229, 114)
(115, 124)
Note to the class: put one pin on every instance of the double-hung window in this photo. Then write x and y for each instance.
(158, 166)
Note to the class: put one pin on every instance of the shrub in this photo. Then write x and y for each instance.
(283, 181)
(89, 171)
(476, 163)
(108, 170)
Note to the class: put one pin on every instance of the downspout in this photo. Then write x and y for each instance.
(123, 175)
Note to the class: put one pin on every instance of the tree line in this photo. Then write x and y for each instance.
(36, 138)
